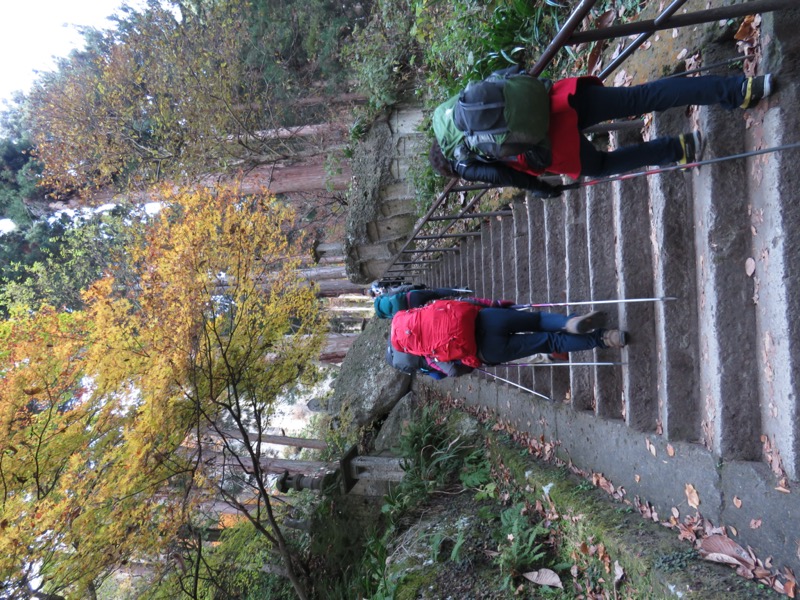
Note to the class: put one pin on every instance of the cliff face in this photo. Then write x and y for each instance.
(381, 207)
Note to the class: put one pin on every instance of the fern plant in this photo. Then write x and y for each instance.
(520, 548)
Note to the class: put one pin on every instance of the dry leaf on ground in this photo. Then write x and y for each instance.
(692, 496)
(619, 573)
(718, 548)
(544, 577)
(650, 446)
(737, 502)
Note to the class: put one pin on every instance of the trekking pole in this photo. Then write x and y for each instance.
(721, 63)
(564, 364)
(592, 302)
(522, 387)
(667, 169)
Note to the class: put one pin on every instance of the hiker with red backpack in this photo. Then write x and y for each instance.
(508, 129)
(456, 336)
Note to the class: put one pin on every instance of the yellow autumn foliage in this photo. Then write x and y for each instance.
(98, 408)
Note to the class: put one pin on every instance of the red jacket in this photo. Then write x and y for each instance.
(563, 132)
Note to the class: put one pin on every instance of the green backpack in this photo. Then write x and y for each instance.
(504, 115)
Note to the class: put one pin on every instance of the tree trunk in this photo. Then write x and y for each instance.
(337, 287)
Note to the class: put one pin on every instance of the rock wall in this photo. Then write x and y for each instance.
(381, 201)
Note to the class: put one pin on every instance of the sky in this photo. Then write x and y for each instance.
(33, 31)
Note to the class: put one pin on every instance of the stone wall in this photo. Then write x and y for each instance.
(381, 201)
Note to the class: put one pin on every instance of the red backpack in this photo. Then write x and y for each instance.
(443, 330)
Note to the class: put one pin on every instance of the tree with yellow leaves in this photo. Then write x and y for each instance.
(217, 326)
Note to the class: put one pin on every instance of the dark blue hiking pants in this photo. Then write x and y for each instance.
(505, 334)
(596, 104)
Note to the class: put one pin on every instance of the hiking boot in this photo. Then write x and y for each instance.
(586, 323)
(692, 146)
(614, 338)
(756, 88)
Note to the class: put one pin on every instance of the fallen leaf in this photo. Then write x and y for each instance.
(544, 577)
(606, 19)
(750, 267)
(747, 30)
(718, 557)
(650, 446)
(682, 54)
(745, 572)
(675, 512)
(670, 450)
(692, 495)
(737, 502)
(636, 478)
(686, 533)
(733, 530)
(790, 587)
(761, 572)
(755, 523)
(783, 489)
(619, 573)
(594, 64)
(622, 79)
(719, 548)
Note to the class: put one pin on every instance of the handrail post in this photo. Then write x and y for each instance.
(575, 19)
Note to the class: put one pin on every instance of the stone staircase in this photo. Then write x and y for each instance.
(711, 379)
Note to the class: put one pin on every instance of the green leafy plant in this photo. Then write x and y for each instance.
(373, 581)
(476, 470)
(456, 551)
(519, 546)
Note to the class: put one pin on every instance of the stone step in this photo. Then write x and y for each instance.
(672, 231)
(601, 241)
(634, 280)
(578, 290)
(522, 277)
(537, 275)
(774, 248)
(730, 417)
(555, 259)
(465, 257)
(484, 260)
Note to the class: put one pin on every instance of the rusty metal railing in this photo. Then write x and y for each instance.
(429, 253)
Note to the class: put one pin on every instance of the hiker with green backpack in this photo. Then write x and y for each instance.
(511, 127)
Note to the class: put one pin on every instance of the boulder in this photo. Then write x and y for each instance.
(367, 387)
(395, 424)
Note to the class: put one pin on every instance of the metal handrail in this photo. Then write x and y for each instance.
(567, 36)
(643, 37)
